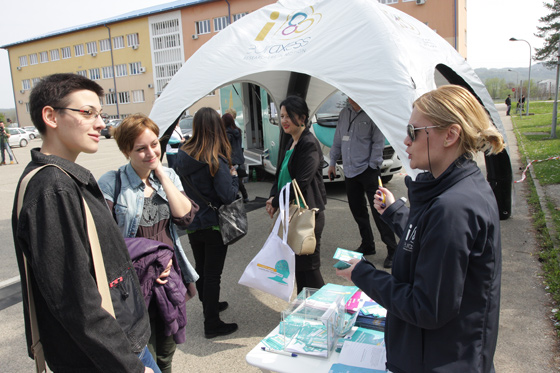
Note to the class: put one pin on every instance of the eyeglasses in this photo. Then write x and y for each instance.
(411, 130)
(88, 114)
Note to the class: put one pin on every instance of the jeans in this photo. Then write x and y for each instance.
(148, 360)
(356, 186)
(209, 255)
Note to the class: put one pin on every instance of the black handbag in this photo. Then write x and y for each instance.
(232, 218)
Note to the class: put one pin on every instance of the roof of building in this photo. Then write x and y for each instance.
(123, 17)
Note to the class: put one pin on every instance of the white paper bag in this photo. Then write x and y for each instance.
(272, 270)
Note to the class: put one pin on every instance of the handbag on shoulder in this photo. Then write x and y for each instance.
(301, 220)
(232, 218)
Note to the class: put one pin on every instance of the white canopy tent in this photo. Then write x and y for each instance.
(381, 57)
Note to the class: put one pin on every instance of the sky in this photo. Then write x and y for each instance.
(490, 25)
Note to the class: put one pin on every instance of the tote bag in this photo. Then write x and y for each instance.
(301, 236)
(272, 270)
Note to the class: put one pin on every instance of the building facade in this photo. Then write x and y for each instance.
(133, 56)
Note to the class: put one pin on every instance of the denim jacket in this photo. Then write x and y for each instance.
(130, 203)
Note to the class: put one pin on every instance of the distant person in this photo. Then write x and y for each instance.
(443, 295)
(151, 203)
(508, 104)
(4, 144)
(232, 112)
(360, 143)
(302, 162)
(237, 157)
(523, 103)
(175, 141)
(204, 165)
(77, 334)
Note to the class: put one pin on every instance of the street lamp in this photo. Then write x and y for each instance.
(517, 72)
(529, 81)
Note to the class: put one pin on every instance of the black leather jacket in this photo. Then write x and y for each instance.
(76, 333)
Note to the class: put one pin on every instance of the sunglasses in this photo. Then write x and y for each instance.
(411, 130)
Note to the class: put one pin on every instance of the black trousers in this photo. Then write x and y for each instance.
(357, 188)
(209, 255)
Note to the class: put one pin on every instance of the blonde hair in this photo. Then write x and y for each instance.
(453, 104)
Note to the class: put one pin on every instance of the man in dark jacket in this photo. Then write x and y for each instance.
(508, 104)
(52, 245)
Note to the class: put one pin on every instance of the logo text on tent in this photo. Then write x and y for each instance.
(294, 26)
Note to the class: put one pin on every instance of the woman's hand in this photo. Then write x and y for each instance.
(269, 208)
(233, 171)
(347, 273)
(383, 194)
(162, 279)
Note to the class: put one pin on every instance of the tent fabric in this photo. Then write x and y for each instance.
(381, 57)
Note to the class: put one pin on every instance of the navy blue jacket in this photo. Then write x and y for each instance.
(218, 190)
(443, 296)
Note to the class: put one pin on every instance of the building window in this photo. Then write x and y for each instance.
(65, 52)
(166, 41)
(35, 81)
(110, 99)
(43, 57)
(78, 50)
(211, 94)
(23, 61)
(118, 42)
(55, 55)
(33, 59)
(167, 53)
(388, 1)
(238, 16)
(107, 72)
(91, 47)
(135, 68)
(121, 70)
(27, 107)
(132, 39)
(82, 73)
(138, 96)
(220, 23)
(124, 98)
(104, 45)
(94, 74)
(202, 27)
(26, 84)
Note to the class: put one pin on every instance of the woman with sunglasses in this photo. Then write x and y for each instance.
(443, 295)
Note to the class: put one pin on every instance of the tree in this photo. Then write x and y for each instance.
(495, 86)
(550, 32)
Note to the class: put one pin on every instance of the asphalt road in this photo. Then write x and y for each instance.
(526, 342)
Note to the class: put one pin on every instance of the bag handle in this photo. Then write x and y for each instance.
(283, 213)
(299, 194)
(99, 267)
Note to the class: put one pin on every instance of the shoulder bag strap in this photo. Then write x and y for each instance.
(299, 194)
(98, 264)
(198, 193)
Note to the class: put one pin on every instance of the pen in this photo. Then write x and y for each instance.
(381, 185)
(280, 352)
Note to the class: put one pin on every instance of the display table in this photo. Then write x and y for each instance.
(271, 362)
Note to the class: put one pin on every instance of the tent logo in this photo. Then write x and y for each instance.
(294, 26)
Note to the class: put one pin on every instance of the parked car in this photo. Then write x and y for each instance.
(33, 132)
(186, 126)
(107, 130)
(18, 137)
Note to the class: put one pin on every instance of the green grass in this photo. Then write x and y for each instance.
(533, 135)
(534, 132)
